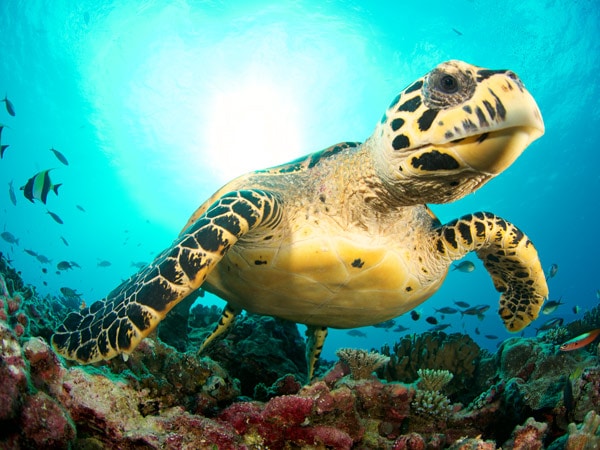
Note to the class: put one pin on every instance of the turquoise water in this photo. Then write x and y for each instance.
(156, 104)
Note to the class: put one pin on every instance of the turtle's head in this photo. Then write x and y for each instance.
(453, 130)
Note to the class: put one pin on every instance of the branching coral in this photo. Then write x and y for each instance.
(431, 404)
(433, 380)
(361, 363)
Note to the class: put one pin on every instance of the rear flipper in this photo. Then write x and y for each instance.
(509, 257)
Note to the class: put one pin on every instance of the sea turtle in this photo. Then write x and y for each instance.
(342, 237)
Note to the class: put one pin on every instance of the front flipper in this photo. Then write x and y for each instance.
(509, 257)
(129, 313)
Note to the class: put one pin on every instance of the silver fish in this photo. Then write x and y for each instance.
(9, 106)
(8, 237)
(60, 156)
(11, 193)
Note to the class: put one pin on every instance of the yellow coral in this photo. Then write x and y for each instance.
(361, 363)
(587, 436)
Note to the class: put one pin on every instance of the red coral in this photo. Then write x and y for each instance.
(22, 319)
(19, 330)
(287, 411)
(242, 416)
(337, 372)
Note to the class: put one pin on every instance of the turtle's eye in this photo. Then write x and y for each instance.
(447, 84)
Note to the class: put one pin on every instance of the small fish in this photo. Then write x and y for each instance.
(401, 329)
(447, 310)
(43, 259)
(64, 265)
(74, 264)
(56, 218)
(490, 336)
(414, 315)
(44, 270)
(357, 333)
(440, 327)
(549, 324)
(385, 325)
(551, 305)
(465, 266)
(457, 32)
(3, 149)
(477, 332)
(60, 156)
(64, 241)
(551, 273)
(30, 252)
(80, 208)
(11, 193)
(432, 320)
(68, 292)
(576, 309)
(104, 263)
(568, 397)
(461, 304)
(9, 106)
(38, 187)
(580, 341)
(8, 237)
(475, 310)
(138, 264)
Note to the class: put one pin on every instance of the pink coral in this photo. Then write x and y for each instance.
(45, 368)
(44, 424)
(12, 373)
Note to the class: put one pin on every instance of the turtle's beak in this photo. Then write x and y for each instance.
(494, 151)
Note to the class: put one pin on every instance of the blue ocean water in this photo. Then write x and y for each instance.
(156, 104)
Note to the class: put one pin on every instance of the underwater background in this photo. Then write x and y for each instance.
(143, 109)
(156, 104)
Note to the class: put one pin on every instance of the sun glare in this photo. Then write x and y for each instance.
(253, 125)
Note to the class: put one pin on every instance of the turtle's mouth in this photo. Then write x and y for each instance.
(494, 151)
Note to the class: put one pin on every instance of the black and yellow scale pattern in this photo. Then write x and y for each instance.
(343, 237)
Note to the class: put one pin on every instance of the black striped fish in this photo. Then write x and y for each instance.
(38, 187)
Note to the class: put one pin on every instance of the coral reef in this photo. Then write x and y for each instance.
(257, 349)
(433, 380)
(457, 353)
(556, 335)
(587, 435)
(528, 395)
(361, 363)
(529, 436)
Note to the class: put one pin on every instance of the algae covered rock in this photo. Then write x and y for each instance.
(260, 349)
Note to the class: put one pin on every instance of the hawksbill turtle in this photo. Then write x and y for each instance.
(343, 237)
